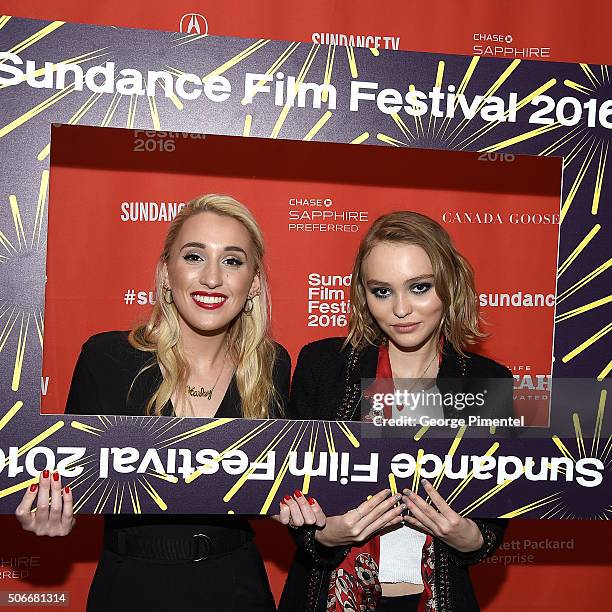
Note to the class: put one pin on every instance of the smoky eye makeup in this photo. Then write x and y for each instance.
(421, 288)
(377, 288)
(416, 286)
(380, 292)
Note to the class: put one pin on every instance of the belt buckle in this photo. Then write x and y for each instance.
(201, 547)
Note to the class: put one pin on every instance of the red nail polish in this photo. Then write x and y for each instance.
(298, 493)
(33, 487)
(283, 502)
(311, 500)
(45, 473)
(56, 476)
(67, 489)
(287, 498)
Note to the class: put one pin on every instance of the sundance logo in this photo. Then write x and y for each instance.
(194, 23)
(357, 40)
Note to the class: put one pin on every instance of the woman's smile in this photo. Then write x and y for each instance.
(209, 301)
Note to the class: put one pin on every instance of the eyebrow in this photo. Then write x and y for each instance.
(373, 281)
(201, 245)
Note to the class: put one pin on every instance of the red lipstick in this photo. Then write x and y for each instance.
(208, 300)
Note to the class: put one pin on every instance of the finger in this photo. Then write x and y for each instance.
(426, 509)
(375, 513)
(23, 512)
(393, 521)
(55, 509)
(421, 514)
(285, 514)
(67, 512)
(371, 504)
(416, 524)
(321, 519)
(296, 518)
(438, 501)
(393, 516)
(305, 508)
(382, 508)
(421, 519)
(42, 501)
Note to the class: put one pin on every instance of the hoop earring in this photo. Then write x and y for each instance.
(248, 306)
(168, 291)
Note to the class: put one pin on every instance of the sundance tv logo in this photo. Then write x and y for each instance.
(369, 41)
(194, 23)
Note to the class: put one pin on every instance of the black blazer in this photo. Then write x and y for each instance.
(105, 370)
(327, 385)
(106, 380)
(322, 376)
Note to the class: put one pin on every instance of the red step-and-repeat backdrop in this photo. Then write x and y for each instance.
(543, 565)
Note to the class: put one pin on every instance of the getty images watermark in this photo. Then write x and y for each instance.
(421, 403)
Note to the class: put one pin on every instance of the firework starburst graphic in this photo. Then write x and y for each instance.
(23, 213)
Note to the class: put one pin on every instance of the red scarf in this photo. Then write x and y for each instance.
(354, 584)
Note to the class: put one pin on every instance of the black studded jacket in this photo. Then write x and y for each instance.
(327, 386)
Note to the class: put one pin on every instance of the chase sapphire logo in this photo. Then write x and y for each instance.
(194, 23)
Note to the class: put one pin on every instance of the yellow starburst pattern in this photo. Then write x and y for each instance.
(19, 314)
(586, 153)
(562, 508)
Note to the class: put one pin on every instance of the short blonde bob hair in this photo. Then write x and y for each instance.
(453, 280)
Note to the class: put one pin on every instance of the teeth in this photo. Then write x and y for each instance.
(208, 299)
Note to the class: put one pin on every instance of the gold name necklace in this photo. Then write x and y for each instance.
(202, 392)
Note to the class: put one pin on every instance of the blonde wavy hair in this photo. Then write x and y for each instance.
(249, 344)
(453, 280)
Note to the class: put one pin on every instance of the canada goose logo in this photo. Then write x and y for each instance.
(194, 23)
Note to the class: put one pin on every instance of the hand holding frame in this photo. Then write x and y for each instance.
(441, 521)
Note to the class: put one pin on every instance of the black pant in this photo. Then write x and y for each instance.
(403, 603)
(236, 582)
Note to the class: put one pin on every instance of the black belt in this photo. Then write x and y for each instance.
(199, 547)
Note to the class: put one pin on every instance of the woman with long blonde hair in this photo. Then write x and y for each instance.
(205, 351)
